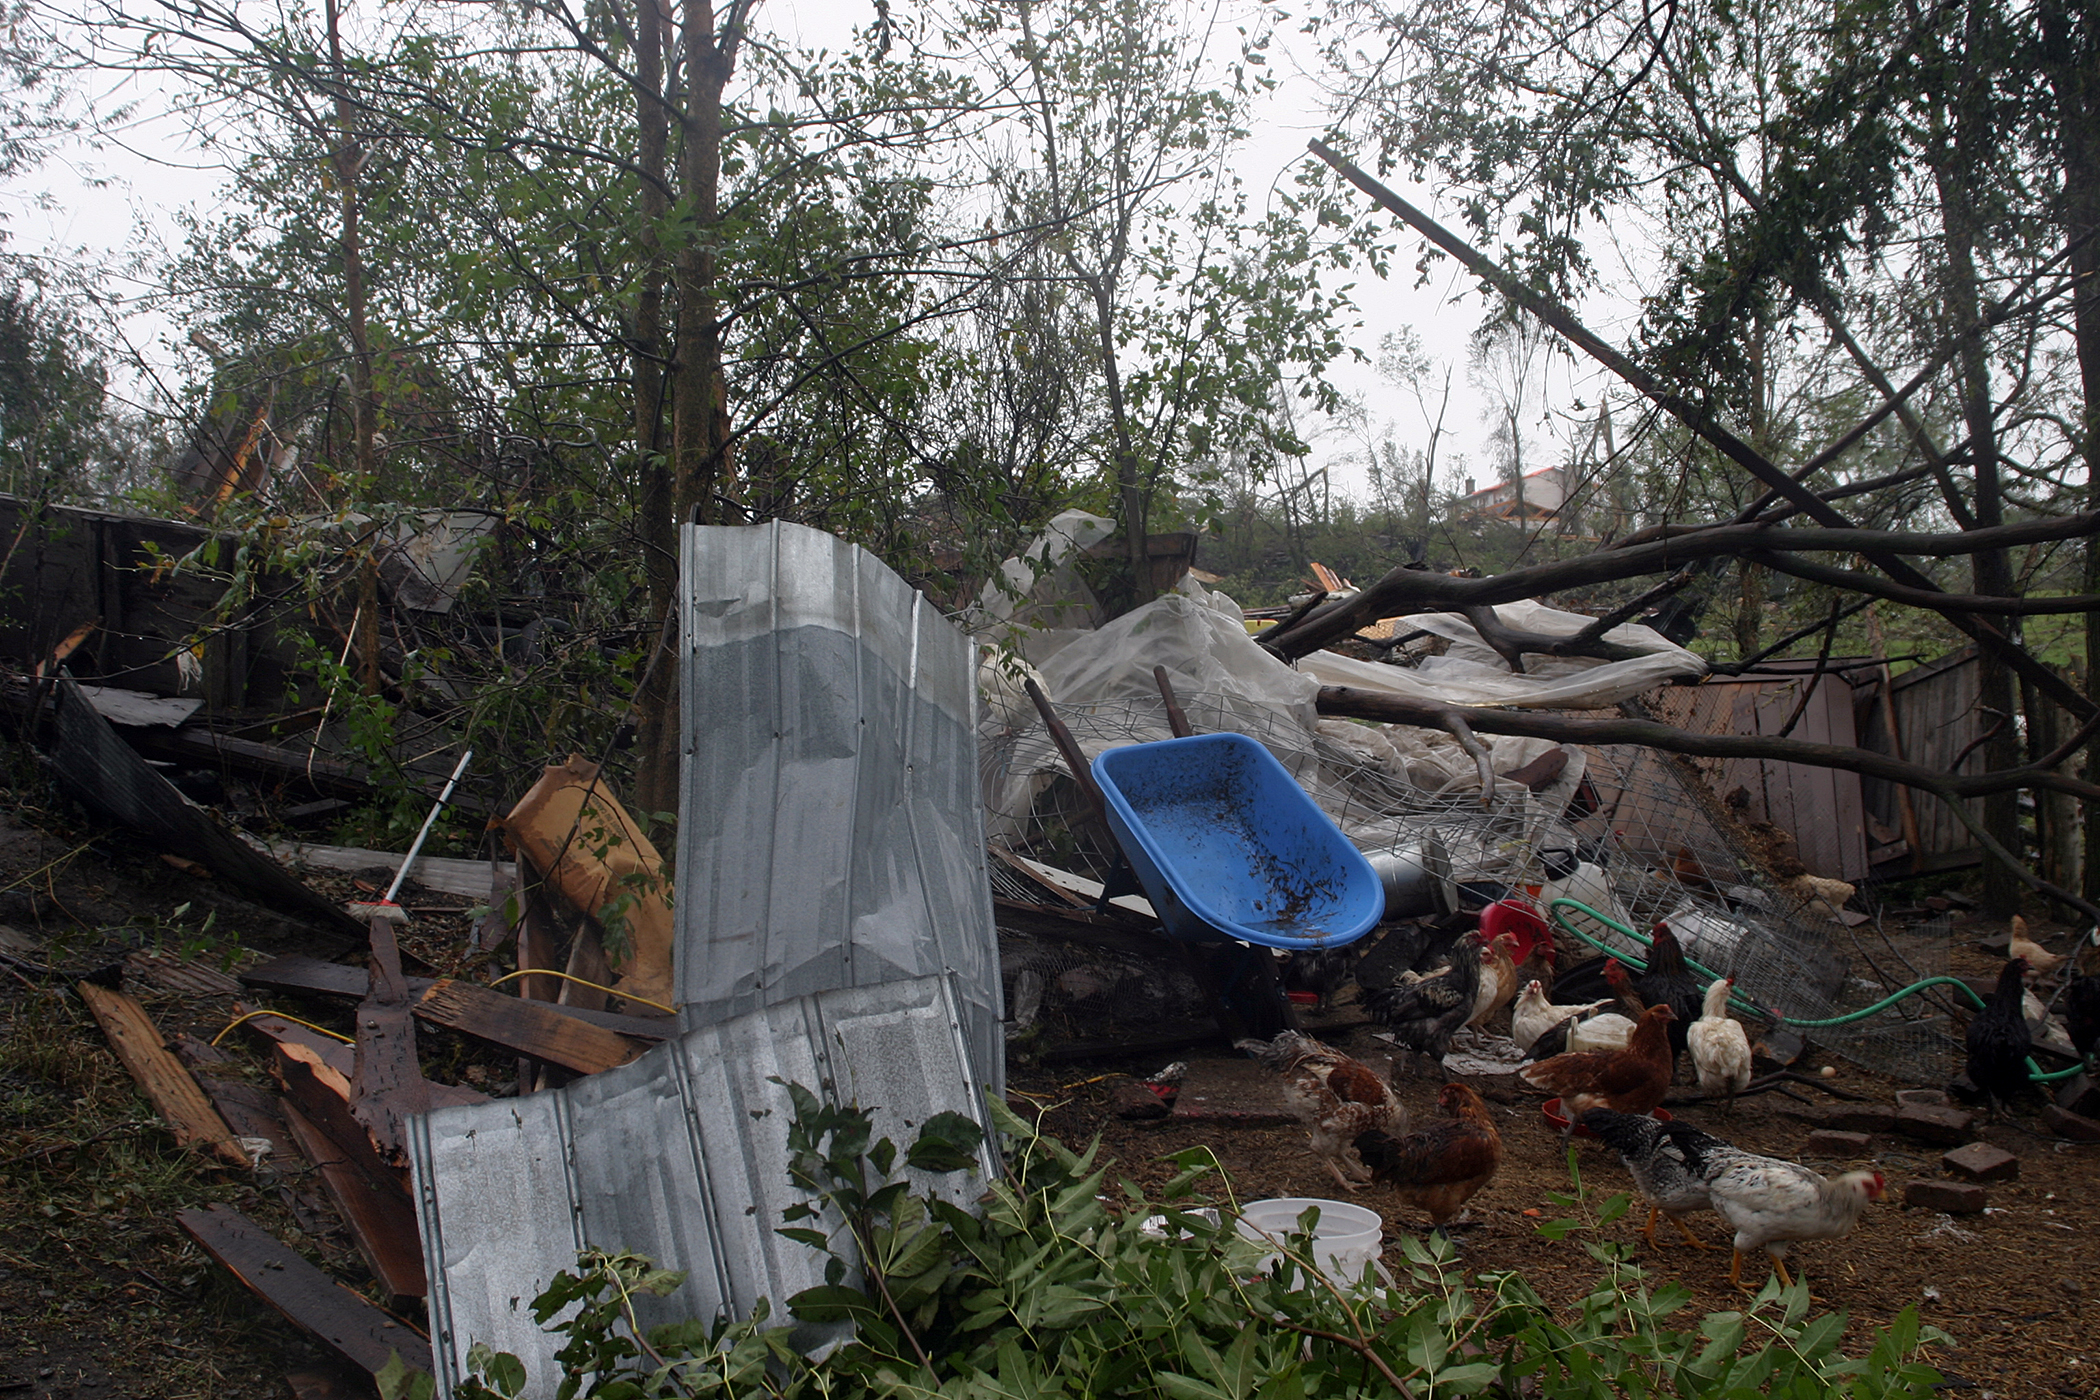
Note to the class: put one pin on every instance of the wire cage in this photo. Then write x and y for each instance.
(1666, 846)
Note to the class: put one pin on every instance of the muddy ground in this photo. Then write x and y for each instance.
(101, 1295)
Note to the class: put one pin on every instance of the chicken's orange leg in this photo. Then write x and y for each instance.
(1735, 1270)
(1653, 1243)
(1693, 1240)
(1780, 1264)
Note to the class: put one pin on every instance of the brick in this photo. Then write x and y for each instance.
(1982, 1161)
(1830, 1142)
(1949, 1197)
(1933, 1098)
(1231, 1093)
(1858, 1118)
(2079, 1095)
(1132, 1100)
(1943, 1127)
(2074, 1126)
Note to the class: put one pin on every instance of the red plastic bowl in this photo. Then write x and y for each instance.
(1526, 930)
(1559, 1120)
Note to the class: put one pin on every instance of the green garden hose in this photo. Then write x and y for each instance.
(2034, 1071)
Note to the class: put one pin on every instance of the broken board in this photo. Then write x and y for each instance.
(346, 1324)
(528, 1027)
(187, 1112)
(294, 973)
(381, 1221)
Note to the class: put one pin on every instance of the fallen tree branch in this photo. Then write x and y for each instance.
(1852, 581)
(1403, 590)
(1701, 421)
(1351, 702)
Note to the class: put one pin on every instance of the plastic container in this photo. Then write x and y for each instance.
(1526, 930)
(1345, 1240)
(1227, 845)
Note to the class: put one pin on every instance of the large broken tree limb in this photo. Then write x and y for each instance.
(1404, 590)
(1700, 420)
(1852, 581)
(1351, 702)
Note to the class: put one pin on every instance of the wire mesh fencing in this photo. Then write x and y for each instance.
(1642, 831)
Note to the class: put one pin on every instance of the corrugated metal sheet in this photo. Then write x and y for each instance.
(681, 1155)
(829, 828)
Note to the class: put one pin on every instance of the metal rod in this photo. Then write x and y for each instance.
(410, 858)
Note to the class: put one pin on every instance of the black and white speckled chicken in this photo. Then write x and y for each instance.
(1659, 1165)
(1423, 1011)
(1337, 1098)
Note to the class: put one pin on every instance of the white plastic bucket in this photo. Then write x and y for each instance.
(1345, 1240)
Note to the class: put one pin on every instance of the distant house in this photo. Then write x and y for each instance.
(1545, 491)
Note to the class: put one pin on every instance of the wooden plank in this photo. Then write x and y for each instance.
(161, 1076)
(323, 1097)
(269, 1030)
(466, 878)
(294, 973)
(381, 1221)
(346, 1324)
(186, 976)
(248, 1111)
(528, 1027)
(387, 1087)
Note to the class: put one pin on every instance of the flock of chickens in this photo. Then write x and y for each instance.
(1609, 1054)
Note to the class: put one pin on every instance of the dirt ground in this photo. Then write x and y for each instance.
(102, 1296)
(2016, 1287)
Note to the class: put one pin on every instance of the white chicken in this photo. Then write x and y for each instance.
(1608, 1031)
(1535, 1015)
(1772, 1202)
(1720, 1047)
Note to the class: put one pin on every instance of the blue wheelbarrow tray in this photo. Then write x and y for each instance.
(1227, 845)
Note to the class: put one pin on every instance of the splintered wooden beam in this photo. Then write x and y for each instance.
(528, 1027)
(296, 973)
(381, 1221)
(180, 1103)
(346, 1324)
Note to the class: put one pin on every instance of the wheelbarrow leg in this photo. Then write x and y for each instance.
(1246, 997)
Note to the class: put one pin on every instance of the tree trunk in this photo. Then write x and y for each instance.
(656, 699)
(699, 408)
(348, 160)
(2071, 48)
(1953, 153)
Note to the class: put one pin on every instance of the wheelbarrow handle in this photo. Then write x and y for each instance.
(1069, 748)
(1176, 719)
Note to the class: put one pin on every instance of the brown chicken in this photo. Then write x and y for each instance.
(1337, 1099)
(1632, 1080)
(1498, 982)
(1439, 1165)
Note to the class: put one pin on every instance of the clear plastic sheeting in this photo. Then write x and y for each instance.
(830, 833)
(681, 1155)
(1471, 673)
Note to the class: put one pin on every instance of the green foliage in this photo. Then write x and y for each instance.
(1062, 1283)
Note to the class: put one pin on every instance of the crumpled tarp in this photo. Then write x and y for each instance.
(1471, 673)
